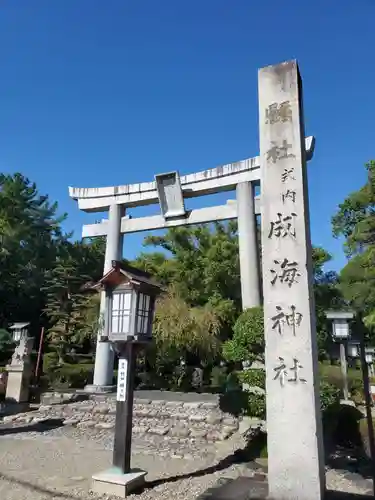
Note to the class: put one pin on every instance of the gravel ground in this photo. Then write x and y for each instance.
(58, 464)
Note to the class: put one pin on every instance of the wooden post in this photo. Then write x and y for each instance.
(124, 407)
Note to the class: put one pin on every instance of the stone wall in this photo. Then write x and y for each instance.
(190, 416)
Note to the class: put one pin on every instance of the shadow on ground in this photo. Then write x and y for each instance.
(46, 425)
(37, 489)
(241, 456)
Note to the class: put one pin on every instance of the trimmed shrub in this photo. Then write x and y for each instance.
(247, 343)
(70, 376)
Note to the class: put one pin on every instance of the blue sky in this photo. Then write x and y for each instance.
(96, 93)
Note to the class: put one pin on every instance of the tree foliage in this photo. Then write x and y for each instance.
(355, 221)
(247, 343)
(69, 306)
(44, 278)
(201, 261)
(30, 235)
(181, 330)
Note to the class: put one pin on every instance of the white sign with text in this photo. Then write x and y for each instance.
(121, 379)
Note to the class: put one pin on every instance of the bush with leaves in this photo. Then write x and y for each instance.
(180, 329)
(247, 343)
(69, 376)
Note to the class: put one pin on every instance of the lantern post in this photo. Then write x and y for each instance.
(341, 334)
(130, 302)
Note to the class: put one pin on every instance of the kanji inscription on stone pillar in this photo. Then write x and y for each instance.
(295, 446)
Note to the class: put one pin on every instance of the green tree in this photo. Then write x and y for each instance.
(355, 218)
(201, 261)
(327, 296)
(69, 307)
(181, 330)
(30, 235)
(355, 222)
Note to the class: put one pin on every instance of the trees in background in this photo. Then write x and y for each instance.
(69, 305)
(30, 237)
(44, 278)
(355, 222)
(42, 272)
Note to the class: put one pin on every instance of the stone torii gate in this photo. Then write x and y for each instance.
(294, 427)
(170, 190)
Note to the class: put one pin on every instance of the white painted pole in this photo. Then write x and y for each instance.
(103, 371)
(248, 246)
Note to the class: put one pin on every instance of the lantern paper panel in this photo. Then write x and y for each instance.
(121, 311)
(143, 314)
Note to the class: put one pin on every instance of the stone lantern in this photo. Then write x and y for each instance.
(130, 302)
(19, 331)
(20, 368)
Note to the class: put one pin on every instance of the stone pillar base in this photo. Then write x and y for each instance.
(18, 383)
(114, 483)
(99, 389)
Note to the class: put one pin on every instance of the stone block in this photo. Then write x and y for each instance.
(84, 408)
(161, 430)
(192, 405)
(71, 421)
(210, 406)
(86, 424)
(9, 419)
(214, 436)
(102, 410)
(142, 401)
(179, 432)
(197, 417)
(198, 433)
(105, 425)
(112, 483)
(181, 416)
(158, 402)
(140, 429)
(45, 408)
(174, 404)
(213, 419)
(230, 421)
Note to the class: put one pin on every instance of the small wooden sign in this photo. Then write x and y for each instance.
(121, 379)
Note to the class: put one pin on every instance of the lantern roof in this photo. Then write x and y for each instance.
(18, 326)
(124, 274)
(339, 315)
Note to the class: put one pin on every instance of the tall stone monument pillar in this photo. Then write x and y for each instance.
(104, 357)
(248, 245)
(295, 445)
